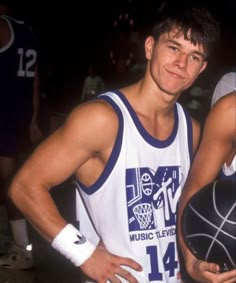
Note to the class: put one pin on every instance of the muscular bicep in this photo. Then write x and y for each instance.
(215, 147)
(217, 144)
(68, 148)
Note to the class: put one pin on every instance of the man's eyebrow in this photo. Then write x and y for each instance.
(197, 52)
(200, 54)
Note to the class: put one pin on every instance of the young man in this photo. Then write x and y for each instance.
(18, 123)
(130, 151)
(216, 154)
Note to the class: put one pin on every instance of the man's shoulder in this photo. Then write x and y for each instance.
(96, 114)
(223, 113)
(97, 106)
(3, 22)
(13, 19)
(227, 101)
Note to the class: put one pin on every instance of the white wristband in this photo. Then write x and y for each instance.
(70, 243)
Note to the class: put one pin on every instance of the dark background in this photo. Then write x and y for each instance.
(78, 28)
(73, 34)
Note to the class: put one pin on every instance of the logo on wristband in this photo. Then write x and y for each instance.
(81, 241)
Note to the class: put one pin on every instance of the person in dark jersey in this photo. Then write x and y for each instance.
(130, 151)
(19, 106)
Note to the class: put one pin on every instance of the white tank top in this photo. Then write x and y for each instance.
(229, 172)
(134, 202)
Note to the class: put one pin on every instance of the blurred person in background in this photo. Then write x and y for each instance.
(93, 84)
(19, 107)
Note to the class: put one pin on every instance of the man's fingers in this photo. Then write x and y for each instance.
(228, 277)
(127, 275)
(212, 270)
(201, 265)
(122, 272)
(114, 279)
(131, 263)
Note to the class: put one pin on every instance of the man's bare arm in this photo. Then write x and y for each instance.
(81, 138)
(217, 145)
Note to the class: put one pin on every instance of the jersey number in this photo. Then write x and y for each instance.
(170, 264)
(27, 61)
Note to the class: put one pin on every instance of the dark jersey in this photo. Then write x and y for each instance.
(17, 71)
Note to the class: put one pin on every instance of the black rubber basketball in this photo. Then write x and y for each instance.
(209, 224)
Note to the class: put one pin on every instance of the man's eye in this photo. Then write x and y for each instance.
(173, 48)
(195, 58)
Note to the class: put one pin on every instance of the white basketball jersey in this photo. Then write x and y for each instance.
(226, 84)
(133, 204)
(229, 172)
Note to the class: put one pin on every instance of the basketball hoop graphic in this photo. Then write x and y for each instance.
(143, 214)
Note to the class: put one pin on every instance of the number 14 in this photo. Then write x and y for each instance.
(170, 264)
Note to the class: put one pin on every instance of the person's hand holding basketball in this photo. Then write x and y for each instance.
(208, 228)
(206, 272)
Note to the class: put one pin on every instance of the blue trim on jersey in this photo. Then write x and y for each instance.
(190, 133)
(114, 154)
(150, 139)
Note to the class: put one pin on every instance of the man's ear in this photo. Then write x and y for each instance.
(149, 43)
(204, 65)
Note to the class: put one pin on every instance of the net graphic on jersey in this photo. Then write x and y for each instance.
(143, 214)
(147, 192)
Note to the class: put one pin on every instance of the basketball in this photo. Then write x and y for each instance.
(209, 224)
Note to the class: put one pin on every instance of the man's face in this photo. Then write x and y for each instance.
(174, 62)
